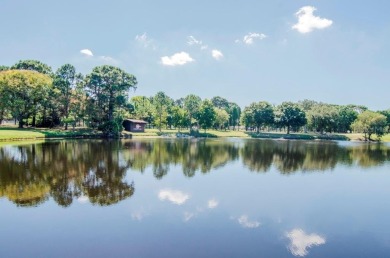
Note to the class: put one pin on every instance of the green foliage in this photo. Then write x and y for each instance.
(107, 89)
(290, 115)
(32, 65)
(22, 90)
(192, 105)
(369, 123)
(206, 115)
(221, 118)
(161, 105)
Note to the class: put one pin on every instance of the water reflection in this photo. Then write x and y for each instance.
(300, 241)
(94, 171)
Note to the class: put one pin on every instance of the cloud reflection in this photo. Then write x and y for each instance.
(300, 241)
(212, 203)
(174, 196)
(246, 223)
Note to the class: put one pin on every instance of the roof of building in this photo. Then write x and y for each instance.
(136, 121)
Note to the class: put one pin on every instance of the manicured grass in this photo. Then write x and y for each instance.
(13, 134)
(360, 137)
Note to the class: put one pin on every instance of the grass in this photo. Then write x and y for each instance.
(360, 137)
(14, 134)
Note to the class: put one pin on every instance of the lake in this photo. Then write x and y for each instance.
(195, 198)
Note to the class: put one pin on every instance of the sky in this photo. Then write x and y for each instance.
(329, 51)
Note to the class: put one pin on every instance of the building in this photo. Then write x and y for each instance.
(134, 125)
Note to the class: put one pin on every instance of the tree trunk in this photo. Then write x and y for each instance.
(288, 129)
(20, 122)
(33, 124)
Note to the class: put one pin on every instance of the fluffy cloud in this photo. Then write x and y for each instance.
(217, 55)
(246, 223)
(86, 52)
(307, 22)
(211, 204)
(176, 197)
(300, 241)
(250, 38)
(181, 58)
(192, 41)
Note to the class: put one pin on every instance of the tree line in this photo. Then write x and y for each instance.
(32, 93)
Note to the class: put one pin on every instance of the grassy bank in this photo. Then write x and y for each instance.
(15, 134)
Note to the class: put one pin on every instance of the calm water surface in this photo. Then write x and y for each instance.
(188, 198)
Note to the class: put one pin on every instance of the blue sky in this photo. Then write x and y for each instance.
(325, 50)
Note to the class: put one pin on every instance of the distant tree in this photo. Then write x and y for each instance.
(33, 65)
(192, 105)
(65, 81)
(290, 115)
(161, 103)
(179, 117)
(220, 102)
(346, 116)
(386, 113)
(234, 114)
(263, 114)
(370, 123)
(22, 90)
(221, 118)
(247, 118)
(143, 108)
(108, 88)
(206, 114)
(322, 118)
(4, 68)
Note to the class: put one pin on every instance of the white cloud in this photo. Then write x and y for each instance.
(250, 38)
(217, 55)
(145, 41)
(307, 22)
(212, 204)
(300, 241)
(176, 197)
(181, 58)
(86, 52)
(246, 223)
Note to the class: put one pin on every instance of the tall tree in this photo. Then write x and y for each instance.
(65, 81)
(192, 105)
(161, 103)
(221, 118)
(206, 114)
(263, 114)
(23, 89)
(290, 115)
(108, 88)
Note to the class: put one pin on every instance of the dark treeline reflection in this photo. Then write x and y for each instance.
(96, 169)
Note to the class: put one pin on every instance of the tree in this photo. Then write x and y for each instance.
(369, 123)
(221, 118)
(192, 105)
(179, 117)
(143, 108)
(386, 113)
(206, 114)
(4, 68)
(234, 113)
(32, 65)
(290, 115)
(346, 117)
(22, 89)
(108, 88)
(322, 118)
(65, 81)
(263, 114)
(247, 118)
(161, 103)
(220, 102)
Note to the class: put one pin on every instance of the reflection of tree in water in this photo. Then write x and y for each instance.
(67, 170)
(369, 155)
(192, 155)
(64, 171)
